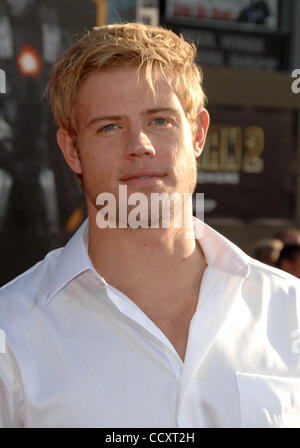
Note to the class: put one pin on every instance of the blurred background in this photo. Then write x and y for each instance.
(250, 169)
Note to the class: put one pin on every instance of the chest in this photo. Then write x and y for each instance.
(173, 318)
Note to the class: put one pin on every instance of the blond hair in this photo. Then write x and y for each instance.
(124, 45)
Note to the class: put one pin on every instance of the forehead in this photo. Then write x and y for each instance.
(125, 87)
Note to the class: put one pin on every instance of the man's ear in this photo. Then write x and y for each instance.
(201, 131)
(70, 152)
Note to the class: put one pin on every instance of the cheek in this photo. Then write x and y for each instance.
(95, 171)
(93, 160)
(175, 147)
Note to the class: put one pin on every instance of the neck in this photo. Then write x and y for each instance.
(137, 255)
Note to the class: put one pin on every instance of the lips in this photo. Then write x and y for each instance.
(142, 174)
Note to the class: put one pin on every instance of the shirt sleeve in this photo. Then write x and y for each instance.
(11, 402)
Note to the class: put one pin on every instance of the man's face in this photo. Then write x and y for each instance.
(125, 133)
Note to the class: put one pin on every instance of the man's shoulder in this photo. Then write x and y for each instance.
(272, 280)
(28, 288)
(228, 257)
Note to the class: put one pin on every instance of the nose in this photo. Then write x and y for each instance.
(139, 145)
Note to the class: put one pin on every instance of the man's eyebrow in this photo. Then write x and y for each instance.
(103, 118)
(154, 110)
(161, 109)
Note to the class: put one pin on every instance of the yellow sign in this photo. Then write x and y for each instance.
(232, 148)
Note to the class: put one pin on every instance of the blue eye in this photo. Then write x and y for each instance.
(109, 127)
(159, 121)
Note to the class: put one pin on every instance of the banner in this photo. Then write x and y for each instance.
(259, 13)
(247, 170)
(41, 202)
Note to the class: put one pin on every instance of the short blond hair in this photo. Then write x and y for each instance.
(124, 45)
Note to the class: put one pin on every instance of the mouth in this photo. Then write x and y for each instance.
(142, 177)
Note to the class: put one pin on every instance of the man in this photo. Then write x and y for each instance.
(289, 259)
(146, 326)
(288, 235)
(267, 250)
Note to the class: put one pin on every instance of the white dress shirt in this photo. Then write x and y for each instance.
(80, 353)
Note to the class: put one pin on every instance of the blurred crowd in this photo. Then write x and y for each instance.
(282, 251)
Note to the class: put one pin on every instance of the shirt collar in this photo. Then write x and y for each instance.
(74, 259)
(220, 252)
